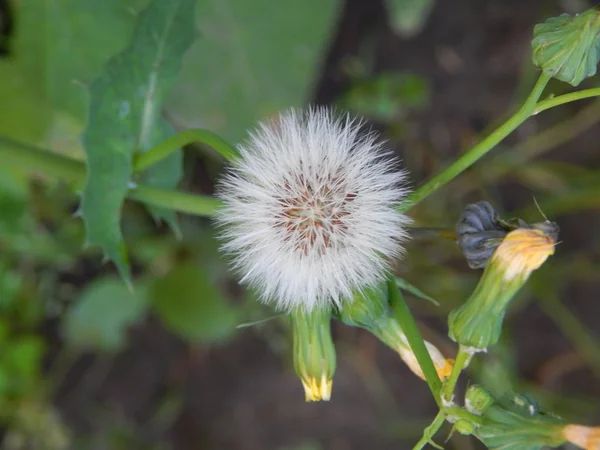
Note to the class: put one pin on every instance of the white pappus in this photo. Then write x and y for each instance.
(310, 210)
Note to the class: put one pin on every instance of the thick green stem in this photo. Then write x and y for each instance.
(144, 160)
(473, 155)
(19, 155)
(415, 340)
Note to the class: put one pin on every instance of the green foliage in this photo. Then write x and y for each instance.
(231, 77)
(124, 113)
(58, 47)
(101, 316)
(568, 47)
(387, 98)
(191, 306)
(407, 17)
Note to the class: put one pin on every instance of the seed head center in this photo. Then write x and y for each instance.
(314, 218)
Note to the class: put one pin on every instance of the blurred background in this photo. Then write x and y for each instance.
(85, 364)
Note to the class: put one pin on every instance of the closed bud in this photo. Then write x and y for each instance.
(464, 427)
(370, 310)
(478, 400)
(314, 352)
(478, 323)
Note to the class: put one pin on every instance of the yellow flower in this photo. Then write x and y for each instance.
(521, 252)
(317, 389)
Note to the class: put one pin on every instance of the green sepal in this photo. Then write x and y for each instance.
(478, 322)
(314, 351)
(509, 429)
(568, 47)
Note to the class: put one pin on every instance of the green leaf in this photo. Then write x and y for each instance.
(125, 104)
(406, 286)
(191, 306)
(567, 47)
(23, 116)
(62, 44)
(101, 316)
(249, 64)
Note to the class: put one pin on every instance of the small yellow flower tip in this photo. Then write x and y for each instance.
(582, 436)
(522, 251)
(317, 390)
(443, 365)
(445, 371)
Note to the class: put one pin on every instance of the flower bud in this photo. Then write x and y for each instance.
(582, 436)
(370, 310)
(478, 400)
(314, 352)
(478, 323)
(508, 429)
(464, 427)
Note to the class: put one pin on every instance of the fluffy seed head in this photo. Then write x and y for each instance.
(310, 210)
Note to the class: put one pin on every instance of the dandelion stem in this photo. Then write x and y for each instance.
(144, 160)
(481, 149)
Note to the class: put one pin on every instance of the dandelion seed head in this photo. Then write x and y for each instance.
(310, 210)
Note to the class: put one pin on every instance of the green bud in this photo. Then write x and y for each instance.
(568, 47)
(478, 400)
(509, 429)
(314, 352)
(367, 308)
(370, 310)
(478, 322)
(464, 427)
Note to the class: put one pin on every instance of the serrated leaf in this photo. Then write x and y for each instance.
(406, 286)
(102, 314)
(191, 306)
(125, 104)
(249, 65)
(568, 47)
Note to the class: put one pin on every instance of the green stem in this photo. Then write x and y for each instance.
(473, 155)
(449, 386)
(430, 431)
(144, 160)
(34, 159)
(198, 205)
(461, 413)
(566, 98)
(415, 340)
